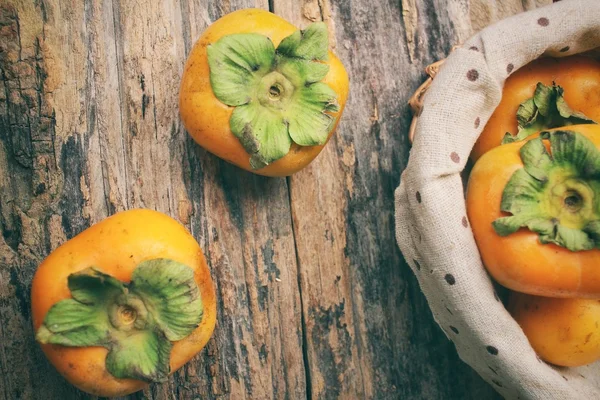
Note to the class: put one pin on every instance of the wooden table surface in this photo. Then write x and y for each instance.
(314, 297)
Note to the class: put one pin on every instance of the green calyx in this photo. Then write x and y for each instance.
(556, 194)
(547, 109)
(136, 322)
(277, 93)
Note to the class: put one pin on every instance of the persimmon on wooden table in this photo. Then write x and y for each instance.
(314, 297)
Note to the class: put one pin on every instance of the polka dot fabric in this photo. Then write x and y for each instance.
(431, 228)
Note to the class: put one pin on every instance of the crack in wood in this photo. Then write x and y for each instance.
(303, 328)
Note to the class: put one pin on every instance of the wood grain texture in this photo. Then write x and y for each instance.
(315, 300)
(369, 331)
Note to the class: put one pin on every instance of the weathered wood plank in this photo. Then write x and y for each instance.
(368, 329)
(104, 78)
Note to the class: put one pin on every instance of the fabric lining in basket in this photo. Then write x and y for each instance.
(432, 230)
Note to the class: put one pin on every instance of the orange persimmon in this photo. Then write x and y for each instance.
(577, 76)
(563, 332)
(124, 303)
(261, 94)
(533, 208)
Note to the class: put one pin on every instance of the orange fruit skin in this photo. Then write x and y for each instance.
(563, 332)
(207, 119)
(579, 76)
(116, 246)
(519, 261)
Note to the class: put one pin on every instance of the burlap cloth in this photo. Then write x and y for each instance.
(431, 225)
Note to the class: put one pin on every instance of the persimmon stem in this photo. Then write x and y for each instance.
(136, 322)
(278, 94)
(556, 193)
(547, 109)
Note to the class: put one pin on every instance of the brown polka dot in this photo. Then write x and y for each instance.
(450, 279)
(472, 75)
(453, 329)
(418, 196)
(509, 68)
(417, 264)
(465, 222)
(543, 21)
(474, 48)
(477, 122)
(565, 49)
(455, 157)
(492, 350)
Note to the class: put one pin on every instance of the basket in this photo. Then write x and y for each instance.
(432, 229)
